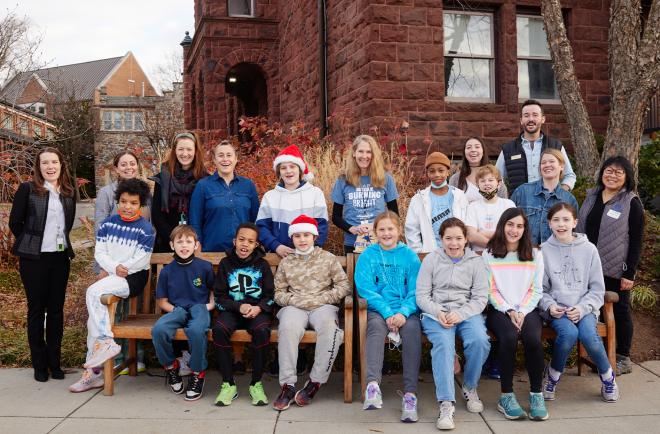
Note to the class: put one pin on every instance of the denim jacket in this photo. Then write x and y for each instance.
(536, 201)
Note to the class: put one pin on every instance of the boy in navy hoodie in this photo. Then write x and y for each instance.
(184, 292)
(244, 296)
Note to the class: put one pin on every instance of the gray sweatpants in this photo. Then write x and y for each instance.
(292, 325)
(411, 341)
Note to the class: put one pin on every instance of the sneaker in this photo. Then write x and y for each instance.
(140, 368)
(285, 397)
(446, 416)
(239, 368)
(508, 405)
(549, 385)
(474, 404)
(184, 367)
(195, 386)
(103, 350)
(374, 398)
(305, 395)
(623, 365)
(89, 381)
(257, 394)
(228, 392)
(537, 409)
(173, 379)
(609, 391)
(409, 408)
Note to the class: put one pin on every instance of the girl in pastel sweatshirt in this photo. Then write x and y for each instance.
(385, 275)
(573, 291)
(515, 276)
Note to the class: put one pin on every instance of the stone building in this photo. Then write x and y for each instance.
(451, 69)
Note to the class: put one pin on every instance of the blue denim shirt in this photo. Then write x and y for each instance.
(536, 201)
(216, 210)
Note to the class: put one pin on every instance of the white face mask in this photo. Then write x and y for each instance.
(434, 185)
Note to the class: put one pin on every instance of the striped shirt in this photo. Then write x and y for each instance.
(124, 243)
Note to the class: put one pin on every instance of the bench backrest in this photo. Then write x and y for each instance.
(159, 260)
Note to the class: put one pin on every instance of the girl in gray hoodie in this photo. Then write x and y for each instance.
(573, 291)
(452, 291)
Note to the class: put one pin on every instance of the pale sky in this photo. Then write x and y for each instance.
(82, 30)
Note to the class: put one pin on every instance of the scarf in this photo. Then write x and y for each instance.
(175, 191)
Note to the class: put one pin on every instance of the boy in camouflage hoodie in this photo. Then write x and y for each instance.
(309, 284)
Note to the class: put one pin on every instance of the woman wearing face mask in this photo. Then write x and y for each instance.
(174, 186)
(41, 218)
(222, 201)
(475, 156)
(433, 205)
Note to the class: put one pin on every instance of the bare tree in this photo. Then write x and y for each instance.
(634, 73)
(19, 46)
(169, 71)
(163, 123)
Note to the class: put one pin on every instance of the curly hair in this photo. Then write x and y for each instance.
(134, 187)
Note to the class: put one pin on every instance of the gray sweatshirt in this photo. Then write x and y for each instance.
(445, 286)
(573, 276)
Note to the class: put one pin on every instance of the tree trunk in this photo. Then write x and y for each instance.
(582, 135)
(634, 62)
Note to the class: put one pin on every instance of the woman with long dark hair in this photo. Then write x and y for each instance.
(174, 187)
(475, 156)
(41, 218)
(612, 217)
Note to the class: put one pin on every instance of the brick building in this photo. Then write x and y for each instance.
(19, 125)
(451, 69)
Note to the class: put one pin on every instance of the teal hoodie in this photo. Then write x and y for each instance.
(387, 279)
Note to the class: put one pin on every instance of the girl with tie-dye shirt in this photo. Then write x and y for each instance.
(515, 278)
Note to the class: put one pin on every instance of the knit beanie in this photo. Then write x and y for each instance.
(437, 157)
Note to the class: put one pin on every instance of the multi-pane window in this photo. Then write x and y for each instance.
(535, 76)
(23, 126)
(469, 55)
(122, 120)
(240, 8)
(7, 121)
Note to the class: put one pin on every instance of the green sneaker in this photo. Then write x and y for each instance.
(537, 409)
(228, 392)
(508, 404)
(257, 394)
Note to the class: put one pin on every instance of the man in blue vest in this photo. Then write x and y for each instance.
(519, 159)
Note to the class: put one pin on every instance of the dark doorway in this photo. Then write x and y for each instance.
(247, 95)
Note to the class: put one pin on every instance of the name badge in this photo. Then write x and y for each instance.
(613, 214)
(516, 157)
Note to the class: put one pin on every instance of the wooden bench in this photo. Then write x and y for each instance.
(141, 320)
(605, 329)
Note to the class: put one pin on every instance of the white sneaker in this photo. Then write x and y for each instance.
(374, 398)
(89, 381)
(184, 367)
(609, 391)
(474, 404)
(446, 416)
(103, 350)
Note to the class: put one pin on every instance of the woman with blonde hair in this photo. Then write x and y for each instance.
(363, 191)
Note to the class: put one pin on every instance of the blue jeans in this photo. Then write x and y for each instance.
(195, 321)
(476, 346)
(567, 335)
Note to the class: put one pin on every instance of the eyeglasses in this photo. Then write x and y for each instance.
(612, 172)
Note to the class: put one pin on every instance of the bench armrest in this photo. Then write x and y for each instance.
(109, 299)
(348, 302)
(611, 297)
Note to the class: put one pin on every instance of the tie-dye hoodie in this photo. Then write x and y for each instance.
(514, 284)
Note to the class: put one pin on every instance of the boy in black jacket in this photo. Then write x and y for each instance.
(244, 297)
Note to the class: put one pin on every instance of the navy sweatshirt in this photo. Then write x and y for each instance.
(186, 285)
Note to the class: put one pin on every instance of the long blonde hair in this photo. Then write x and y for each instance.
(376, 168)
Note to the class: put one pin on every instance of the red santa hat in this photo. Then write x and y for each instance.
(291, 154)
(303, 223)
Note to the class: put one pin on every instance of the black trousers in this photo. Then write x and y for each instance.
(507, 336)
(45, 281)
(259, 327)
(622, 316)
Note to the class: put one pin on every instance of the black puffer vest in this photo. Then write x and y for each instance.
(28, 242)
(515, 159)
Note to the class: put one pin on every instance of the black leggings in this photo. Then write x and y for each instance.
(622, 317)
(507, 336)
(259, 327)
(45, 281)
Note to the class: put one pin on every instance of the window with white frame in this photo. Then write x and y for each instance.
(536, 78)
(240, 8)
(23, 126)
(121, 120)
(469, 56)
(7, 121)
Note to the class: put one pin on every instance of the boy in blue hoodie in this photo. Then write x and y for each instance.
(386, 275)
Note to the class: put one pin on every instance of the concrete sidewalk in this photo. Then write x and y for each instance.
(143, 405)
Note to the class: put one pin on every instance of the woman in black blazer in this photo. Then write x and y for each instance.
(41, 218)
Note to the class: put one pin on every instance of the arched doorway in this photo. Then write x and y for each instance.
(246, 94)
